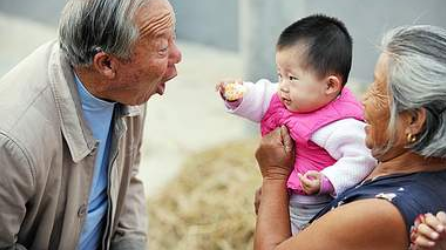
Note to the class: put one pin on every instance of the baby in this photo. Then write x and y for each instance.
(313, 58)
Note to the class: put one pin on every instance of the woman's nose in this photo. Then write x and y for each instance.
(364, 98)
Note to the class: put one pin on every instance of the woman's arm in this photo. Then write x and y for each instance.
(366, 224)
(275, 156)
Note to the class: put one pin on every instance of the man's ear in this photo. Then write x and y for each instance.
(416, 121)
(333, 85)
(105, 64)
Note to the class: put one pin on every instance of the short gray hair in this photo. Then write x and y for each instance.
(417, 79)
(89, 26)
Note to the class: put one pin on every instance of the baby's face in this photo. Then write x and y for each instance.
(300, 90)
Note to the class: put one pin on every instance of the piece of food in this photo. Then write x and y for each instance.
(234, 91)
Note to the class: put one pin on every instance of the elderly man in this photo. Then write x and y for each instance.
(71, 127)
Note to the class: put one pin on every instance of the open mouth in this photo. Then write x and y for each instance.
(286, 101)
(366, 130)
(366, 120)
(162, 86)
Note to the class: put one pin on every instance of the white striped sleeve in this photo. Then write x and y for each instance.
(256, 100)
(344, 140)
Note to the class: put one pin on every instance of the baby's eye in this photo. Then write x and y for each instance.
(292, 78)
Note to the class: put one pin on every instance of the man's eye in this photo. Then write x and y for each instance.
(163, 50)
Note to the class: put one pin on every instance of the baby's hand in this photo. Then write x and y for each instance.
(311, 182)
(231, 91)
(429, 232)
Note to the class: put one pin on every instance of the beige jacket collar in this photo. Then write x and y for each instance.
(74, 129)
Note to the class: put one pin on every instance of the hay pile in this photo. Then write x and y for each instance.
(210, 203)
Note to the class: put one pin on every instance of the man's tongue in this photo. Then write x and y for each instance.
(160, 88)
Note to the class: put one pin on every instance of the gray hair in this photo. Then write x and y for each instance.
(89, 26)
(417, 79)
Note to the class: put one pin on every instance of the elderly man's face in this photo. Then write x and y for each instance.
(154, 57)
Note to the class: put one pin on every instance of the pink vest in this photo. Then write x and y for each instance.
(309, 156)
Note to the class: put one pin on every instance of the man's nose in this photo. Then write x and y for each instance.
(175, 55)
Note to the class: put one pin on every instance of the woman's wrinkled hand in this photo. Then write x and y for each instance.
(275, 155)
(257, 200)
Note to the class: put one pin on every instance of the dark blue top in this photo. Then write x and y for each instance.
(412, 194)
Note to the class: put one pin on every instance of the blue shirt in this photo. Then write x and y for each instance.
(98, 115)
(411, 194)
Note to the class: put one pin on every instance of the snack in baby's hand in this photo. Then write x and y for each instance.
(233, 91)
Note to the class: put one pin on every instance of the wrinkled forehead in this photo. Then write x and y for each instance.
(381, 70)
(155, 17)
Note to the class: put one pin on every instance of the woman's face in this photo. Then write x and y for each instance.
(377, 113)
(376, 108)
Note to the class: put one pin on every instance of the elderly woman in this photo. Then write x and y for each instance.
(406, 132)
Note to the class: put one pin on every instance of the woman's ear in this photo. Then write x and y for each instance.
(416, 121)
(105, 64)
(333, 85)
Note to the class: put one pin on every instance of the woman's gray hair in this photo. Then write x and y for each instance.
(89, 26)
(417, 79)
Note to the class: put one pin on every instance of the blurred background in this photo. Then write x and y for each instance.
(197, 166)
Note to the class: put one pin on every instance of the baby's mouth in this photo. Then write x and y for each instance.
(286, 101)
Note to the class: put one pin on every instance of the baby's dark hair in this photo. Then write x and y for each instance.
(328, 45)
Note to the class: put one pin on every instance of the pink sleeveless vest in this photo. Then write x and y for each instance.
(309, 156)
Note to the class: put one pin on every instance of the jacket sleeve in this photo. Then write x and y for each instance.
(131, 231)
(344, 141)
(16, 189)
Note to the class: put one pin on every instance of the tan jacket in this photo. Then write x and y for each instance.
(47, 158)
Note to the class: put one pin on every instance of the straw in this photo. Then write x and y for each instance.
(209, 205)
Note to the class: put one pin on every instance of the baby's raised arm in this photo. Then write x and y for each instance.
(247, 99)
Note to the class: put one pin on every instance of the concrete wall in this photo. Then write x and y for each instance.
(262, 21)
(252, 26)
(210, 22)
(44, 11)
